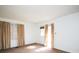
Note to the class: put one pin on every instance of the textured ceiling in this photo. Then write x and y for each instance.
(36, 13)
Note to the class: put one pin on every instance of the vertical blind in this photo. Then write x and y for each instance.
(46, 34)
(52, 35)
(20, 34)
(1, 34)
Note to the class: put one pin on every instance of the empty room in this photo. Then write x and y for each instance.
(39, 28)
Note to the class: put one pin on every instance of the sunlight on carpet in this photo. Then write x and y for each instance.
(31, 47)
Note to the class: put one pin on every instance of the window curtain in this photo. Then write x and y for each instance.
(20, 34)
(4, 35)
(52, 35)
(11, 34)
(46, 34)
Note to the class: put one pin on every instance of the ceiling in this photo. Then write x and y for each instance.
(36, 13)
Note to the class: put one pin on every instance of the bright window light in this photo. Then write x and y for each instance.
(49, 37)
(42, 32)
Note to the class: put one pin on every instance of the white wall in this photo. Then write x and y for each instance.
(67, 33)
(31, 33)
(41, 39)
(37, 33)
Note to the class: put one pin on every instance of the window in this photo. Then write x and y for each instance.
(48, 36)
(42, 31)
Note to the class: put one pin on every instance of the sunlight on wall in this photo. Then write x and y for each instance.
(49, 37)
